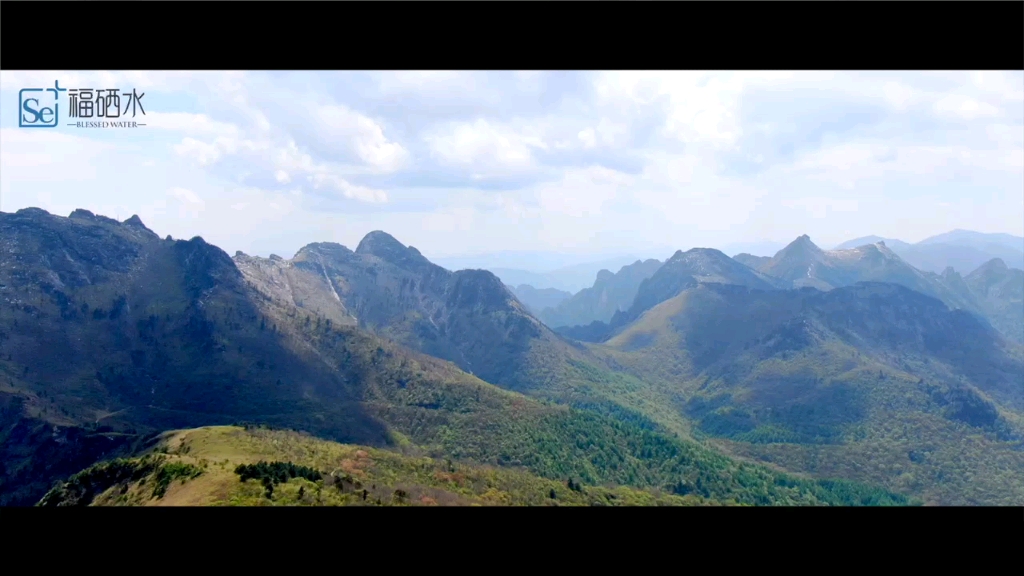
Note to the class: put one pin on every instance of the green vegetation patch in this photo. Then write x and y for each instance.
(82, 488)
(174, 471)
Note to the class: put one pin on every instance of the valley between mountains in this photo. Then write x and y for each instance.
(814, 377)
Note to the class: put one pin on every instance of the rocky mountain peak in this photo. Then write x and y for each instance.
(387, 248)
(82, 214)
(802, 245)
(135, 223)
(995, 265)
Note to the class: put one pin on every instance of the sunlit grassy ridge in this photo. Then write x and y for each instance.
(200, 467)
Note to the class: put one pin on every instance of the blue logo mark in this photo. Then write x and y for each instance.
(37, 109)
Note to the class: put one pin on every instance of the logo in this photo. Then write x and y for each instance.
(39, 107)
(88, 107)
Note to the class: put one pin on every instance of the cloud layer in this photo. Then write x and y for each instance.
(605, 162)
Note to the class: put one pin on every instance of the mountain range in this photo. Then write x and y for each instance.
(853, 377)
(962, 250)
(803, 264)
(538, 299)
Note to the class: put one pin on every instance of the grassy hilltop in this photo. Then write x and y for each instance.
(235, 466)
(205, 467)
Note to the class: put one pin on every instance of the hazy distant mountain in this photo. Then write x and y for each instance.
(568, 278)
(682, 271)
(802, 264)
(981, 240)
(751, 261)
(954, 282)
(892, 243)
(512, 277)
(701, 265)
(937, 257)
(1000, 292)
(537, 299)
(609, 294)
(807, 265)
(962, 249)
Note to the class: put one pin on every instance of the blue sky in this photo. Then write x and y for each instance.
(588, 163)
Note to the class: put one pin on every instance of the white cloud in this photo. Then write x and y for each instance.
(607, 133)
(1005, 86)
(419, 80)
(195, 124)
(898, 95)
(45, 157)
(536, 160)
(512, 208)
(202, 152)
(836, 160)
(282, 161)
(699, 107)
(364, 135)
(482, 144)
(190, 205)
(819, 207)
(347, 190)
(588, 138)
(582, 192)
(965, 107)
(258, 148)
(852, 162)
(455, 219)
(673, 170)
(290, 158)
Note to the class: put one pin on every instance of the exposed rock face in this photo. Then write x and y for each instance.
(467, 317)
